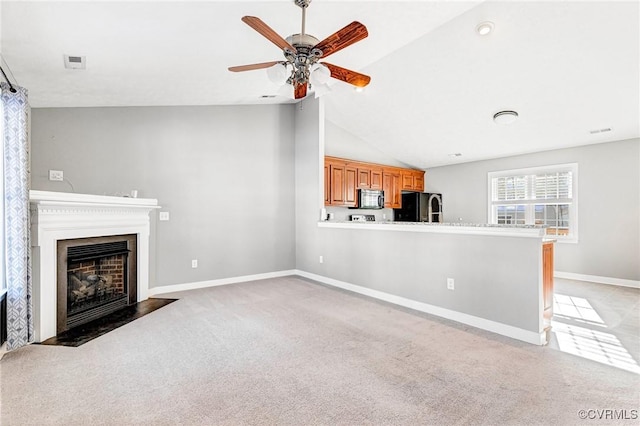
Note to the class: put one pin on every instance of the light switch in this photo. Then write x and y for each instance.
(164, 215)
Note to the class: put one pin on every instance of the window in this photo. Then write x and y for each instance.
(537, 196)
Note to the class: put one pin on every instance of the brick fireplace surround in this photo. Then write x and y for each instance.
(57, 216)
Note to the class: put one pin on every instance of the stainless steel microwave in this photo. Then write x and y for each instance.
(370, 199)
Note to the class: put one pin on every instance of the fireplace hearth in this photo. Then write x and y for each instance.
(96, 276)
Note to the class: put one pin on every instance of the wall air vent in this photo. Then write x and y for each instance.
(596, 131)
(75, 62)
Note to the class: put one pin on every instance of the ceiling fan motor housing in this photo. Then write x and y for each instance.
(305, 56)
(302, 41)
(302, 3)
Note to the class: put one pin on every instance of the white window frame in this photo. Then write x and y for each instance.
(572, 237)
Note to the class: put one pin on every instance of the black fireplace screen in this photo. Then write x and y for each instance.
(96, 281)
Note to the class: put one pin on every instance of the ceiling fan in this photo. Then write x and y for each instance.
(301, 67)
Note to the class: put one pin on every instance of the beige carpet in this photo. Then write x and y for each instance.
(288, 351)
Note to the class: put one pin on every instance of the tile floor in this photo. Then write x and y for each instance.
(598, 322)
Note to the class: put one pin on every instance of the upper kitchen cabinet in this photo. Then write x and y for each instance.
(364, 178)
(392, 188)
(343, 178)
(369, 177)
(413, 180)
(340, 178)
(376, 178)
(327, 185)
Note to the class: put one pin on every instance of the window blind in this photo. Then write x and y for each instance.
(546, 186)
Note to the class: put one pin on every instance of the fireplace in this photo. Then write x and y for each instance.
(96, 276)
(82, 219)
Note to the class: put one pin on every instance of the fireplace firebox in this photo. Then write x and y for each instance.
(96, 276)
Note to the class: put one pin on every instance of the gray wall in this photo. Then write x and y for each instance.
(412, 265)
(341, 143)
(225, 174)
(309, 133)
(608, 203)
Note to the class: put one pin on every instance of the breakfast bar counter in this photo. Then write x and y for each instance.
(526, 231)
(494, 277)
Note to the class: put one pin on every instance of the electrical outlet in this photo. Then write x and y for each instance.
(56, 175)
(450, 283)
(194, 263)
(164, 216)
(321, 260)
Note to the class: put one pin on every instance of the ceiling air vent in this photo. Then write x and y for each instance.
(596, 131)
(75, 62)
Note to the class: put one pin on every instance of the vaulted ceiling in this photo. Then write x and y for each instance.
(570, 69)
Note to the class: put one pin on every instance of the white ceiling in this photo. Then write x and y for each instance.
(566, 67)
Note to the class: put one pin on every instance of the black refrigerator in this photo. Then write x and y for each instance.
(419, 207)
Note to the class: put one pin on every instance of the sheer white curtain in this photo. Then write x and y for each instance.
(16, 241)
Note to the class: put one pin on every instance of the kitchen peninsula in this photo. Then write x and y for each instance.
(494, 277)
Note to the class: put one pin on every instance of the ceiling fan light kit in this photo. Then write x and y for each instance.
(301, 67)
(278, 74)
(320, 74)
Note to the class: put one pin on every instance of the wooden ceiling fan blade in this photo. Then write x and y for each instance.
(350, 34)
(348, 76)
(300, 90)
(266, 31)
(250, 67)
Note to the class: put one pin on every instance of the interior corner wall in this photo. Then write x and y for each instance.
(309, 155)
(608, 203)
(228, 186)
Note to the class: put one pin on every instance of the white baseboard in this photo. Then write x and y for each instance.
(484, 324)
(212, 283)
(596, 279)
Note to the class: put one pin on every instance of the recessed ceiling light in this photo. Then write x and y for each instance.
(359, 89)
(484, 28)
(505, 117)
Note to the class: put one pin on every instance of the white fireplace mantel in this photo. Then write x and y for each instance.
(61, 216)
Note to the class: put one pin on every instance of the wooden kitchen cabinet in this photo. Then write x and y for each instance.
(413, 180)
(343, 178)
(337, 189)
(369, 178)
(547, 282)
(327, 185)
(350, 189)
(376, 178)
(364, 178)
(341, 182)
(392, 189)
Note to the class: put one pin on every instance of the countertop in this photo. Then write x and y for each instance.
(530, 231)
